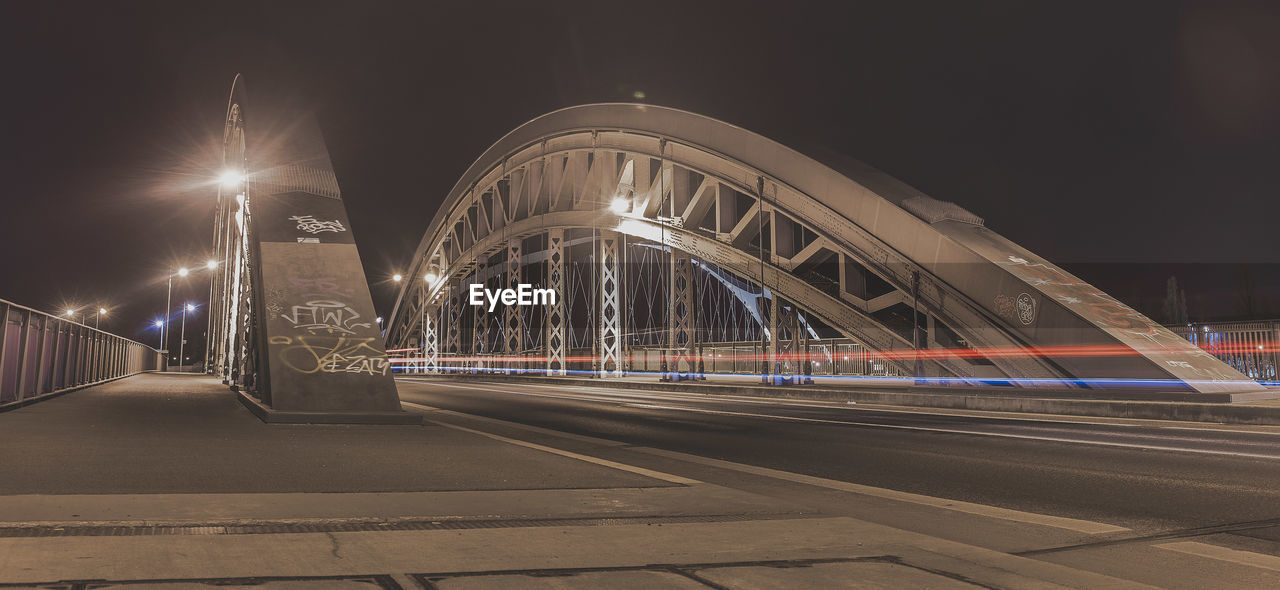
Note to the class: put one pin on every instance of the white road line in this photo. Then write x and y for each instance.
(868, 407)
(667, 477)
(1057, 439)
(966, 432)
(540, 430)
(1246, 558)
(1071, 524)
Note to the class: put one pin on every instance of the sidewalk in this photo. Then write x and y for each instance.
(167, 481)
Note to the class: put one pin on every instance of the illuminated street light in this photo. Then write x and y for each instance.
(182, 339)
(159, 323)
(430, 278)
(232, 179)
(397, 277)
(211, 265)
(620, 205)
(182, 272)
(71, 312)
(101, 312)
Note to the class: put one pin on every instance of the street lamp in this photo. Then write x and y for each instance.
(182, 339)
(168, 302)
(397, 277)
(231, 179)
(160, 324)
(101, 312)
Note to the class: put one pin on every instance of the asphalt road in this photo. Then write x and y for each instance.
(1150, 474)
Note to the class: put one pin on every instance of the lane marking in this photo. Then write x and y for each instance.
(528, 427)
(1058, 439)
(667, 477)
(1246, 558)
(1071, 524)
(966, 432)
(859, 407)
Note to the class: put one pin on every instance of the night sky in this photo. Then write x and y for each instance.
(1127, 141)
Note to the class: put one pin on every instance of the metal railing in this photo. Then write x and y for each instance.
(827, 356)
(1253, 348)
(43, 355)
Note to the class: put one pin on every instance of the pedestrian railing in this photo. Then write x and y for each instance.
(1253, 348)
(43, 354)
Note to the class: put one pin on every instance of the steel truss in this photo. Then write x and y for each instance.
(785, 260)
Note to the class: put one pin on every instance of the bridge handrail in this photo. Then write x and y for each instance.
(42, 355)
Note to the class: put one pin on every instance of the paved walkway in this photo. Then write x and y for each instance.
(165, 481)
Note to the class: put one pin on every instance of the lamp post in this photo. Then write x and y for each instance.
(168, 300)
(160, 324)
(101, 312)
(212, 265)
(182, 337)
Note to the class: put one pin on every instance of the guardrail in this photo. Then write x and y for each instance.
(1253, 348)
(43, 355)
(828, 356)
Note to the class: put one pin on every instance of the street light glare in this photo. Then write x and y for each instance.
(397, 277)
(182, 272)
(191, 307)
(102, 310)
(159, 324)
(211, 265)
(430, 278)
(71, 312)
(619, 205)
(231, 178)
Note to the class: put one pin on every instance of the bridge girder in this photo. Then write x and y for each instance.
(764, 212)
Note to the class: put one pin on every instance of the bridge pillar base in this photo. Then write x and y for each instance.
(272, 416)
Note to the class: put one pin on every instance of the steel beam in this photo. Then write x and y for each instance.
(609, 339)
(557, 320)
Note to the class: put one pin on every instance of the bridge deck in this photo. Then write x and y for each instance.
(171, 433)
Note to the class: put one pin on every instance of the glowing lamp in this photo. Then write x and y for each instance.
(231, 179)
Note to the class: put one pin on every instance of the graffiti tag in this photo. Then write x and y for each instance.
(325, 315)
(332, 355)
(313, 226)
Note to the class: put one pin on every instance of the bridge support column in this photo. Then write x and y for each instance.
(681, 319)
(453, 329)
(480, 323)
(557, 321)
(513, 321)
(430, 340)
(609, 339)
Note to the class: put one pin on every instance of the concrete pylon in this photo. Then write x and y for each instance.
(321, 357)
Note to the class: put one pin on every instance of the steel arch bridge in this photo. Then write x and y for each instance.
(669, 230)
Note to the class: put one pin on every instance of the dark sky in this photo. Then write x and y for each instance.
(1128, 133)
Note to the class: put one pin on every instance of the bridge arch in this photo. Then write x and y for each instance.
(830, 242)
